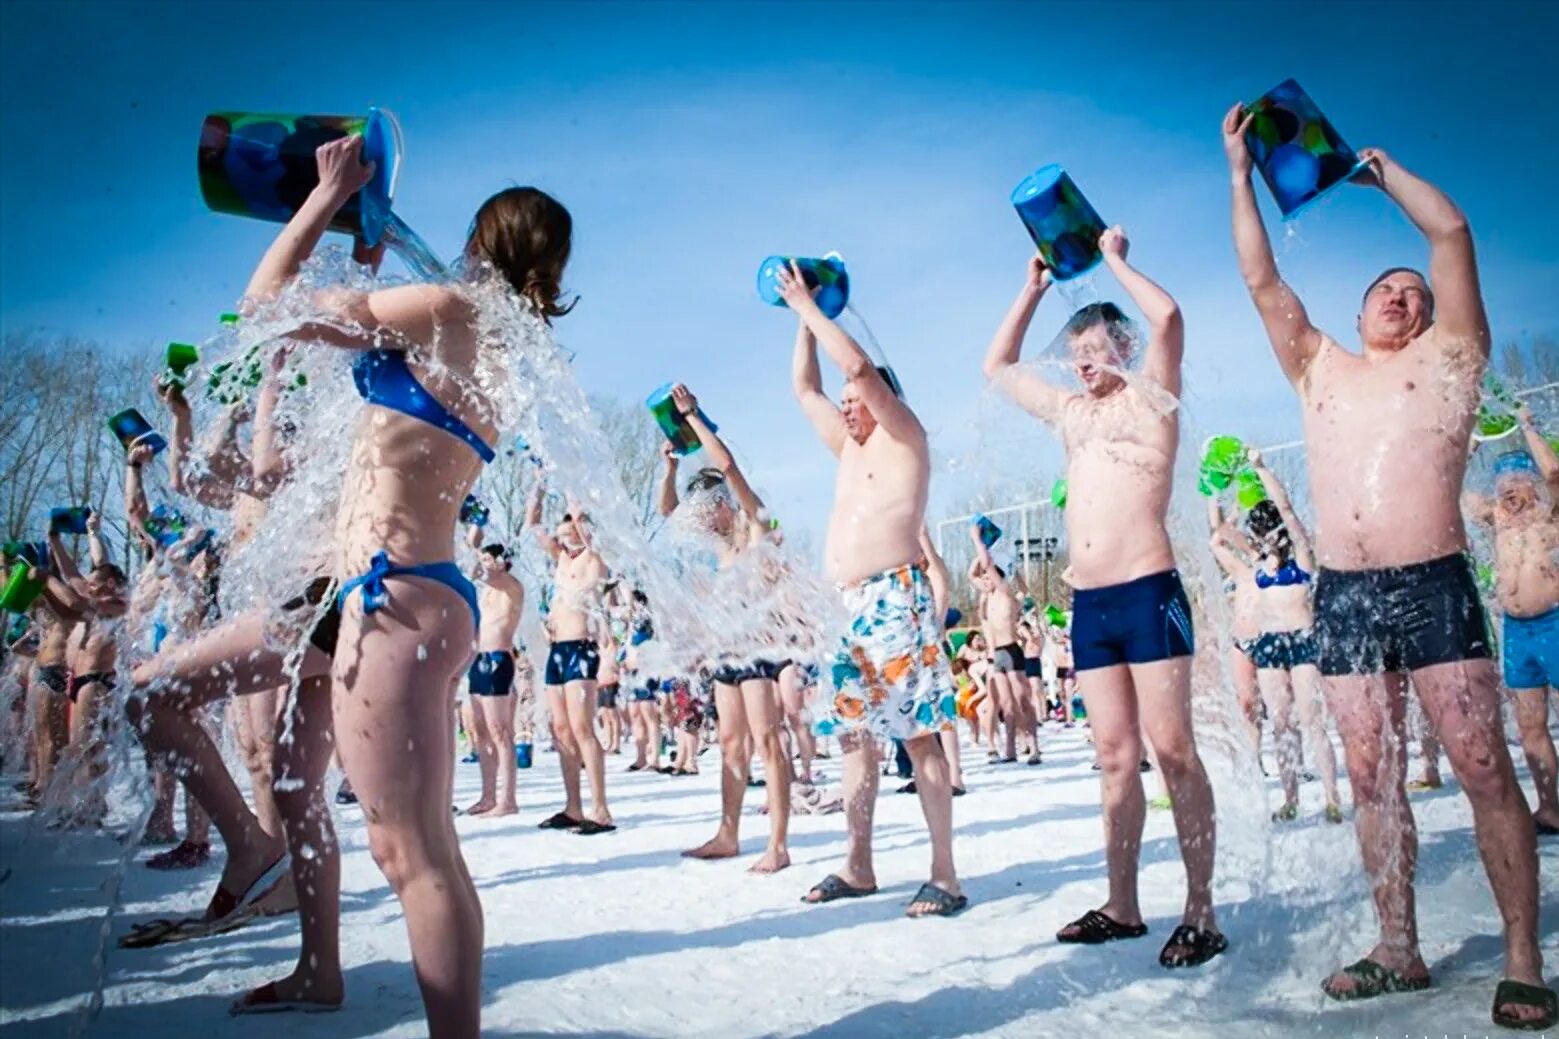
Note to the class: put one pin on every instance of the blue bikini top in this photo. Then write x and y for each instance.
(384, 378)
(1289, 573)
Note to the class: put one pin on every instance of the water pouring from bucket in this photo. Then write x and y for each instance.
(262, 165)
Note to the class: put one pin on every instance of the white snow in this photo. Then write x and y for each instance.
(618, 936)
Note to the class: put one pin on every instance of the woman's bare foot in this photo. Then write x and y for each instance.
(508, 809)
(480, 807)
(772, 861)
(719, 848)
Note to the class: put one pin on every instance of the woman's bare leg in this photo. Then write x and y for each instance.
(393, 693)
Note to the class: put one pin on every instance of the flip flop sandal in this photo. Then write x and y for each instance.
(192, 928)
(1201, 945)
(1095, 928)
(1371, 979)
(560, 821)
(1545, 830)
(589, 828)
(832, 888)
(147, 933)
(945, 903)
(959, 791)
(264, 1000)
(224, 904)
(1520, 994)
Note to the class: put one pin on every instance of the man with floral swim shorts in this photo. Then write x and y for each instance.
(890, 677)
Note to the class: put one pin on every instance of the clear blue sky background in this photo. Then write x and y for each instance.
(692, 140)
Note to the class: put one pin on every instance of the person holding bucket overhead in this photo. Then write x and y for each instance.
(1131, 620)
(426, 432)
(1386, 432)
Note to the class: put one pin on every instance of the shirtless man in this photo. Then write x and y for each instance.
(48, 710)
(573, 662)
(890, 677)
(1000, 609)
(1386, 432)
(1526, 565)
(491, 678)
(608, 692)
(1242, 631)
(1131, 623)
(94, 605)
(747, 704)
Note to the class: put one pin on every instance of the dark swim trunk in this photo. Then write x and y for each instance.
(327, 631)
(1283, 650)
(766, 670)
(1399, 618)
(1008, 659)
(578, 660)
(606, 697)
(1138, 622)
(646, 692)
(1032, 667)
(75, 683)
(54, 678)
(492, 674)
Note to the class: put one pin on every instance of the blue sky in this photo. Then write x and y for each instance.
(690, 141)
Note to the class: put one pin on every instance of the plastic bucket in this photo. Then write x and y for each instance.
(522, 755)
(20, 590)
(1295, 147)
(262, 165)
(1065, 228)
(826, 274)
(673, 423)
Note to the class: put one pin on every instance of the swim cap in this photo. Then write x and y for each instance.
(1514, 463)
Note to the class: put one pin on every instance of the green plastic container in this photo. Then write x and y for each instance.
(180, 358)
(1249, 491)
(21, 591)
(1058, 493)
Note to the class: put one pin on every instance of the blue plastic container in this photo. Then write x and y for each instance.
(1065, 228)
(990, 533)
(1296, 149)
(522, 755)
(827, 275)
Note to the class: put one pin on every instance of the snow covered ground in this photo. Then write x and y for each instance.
(617, 936)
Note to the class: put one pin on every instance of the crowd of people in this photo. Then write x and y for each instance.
(391, 642)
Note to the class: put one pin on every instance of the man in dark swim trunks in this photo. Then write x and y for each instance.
(1386, 432)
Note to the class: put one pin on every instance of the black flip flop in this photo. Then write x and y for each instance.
(1095, 928)
(1199, 945)
(589, 828)
(560, 821)
(832, 888)
(1545, 830)
(1371, 979)
(946, 903)
(1520, 994)
(959, 791)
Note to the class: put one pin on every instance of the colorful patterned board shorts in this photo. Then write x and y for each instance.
(890, 677)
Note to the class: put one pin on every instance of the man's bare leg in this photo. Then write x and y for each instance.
(481, 737)
(793, 695)
(1532, 719)
(581, 702)
(933, 782)
(254, 718)
(497, 715)
(735, 763)
(859, 781)
(51, 733)
(948, 738)
(760, 700)
(1112, 715)
(1371, 714)
(1461, 701)
(1163, 694)
(569, 752)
